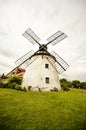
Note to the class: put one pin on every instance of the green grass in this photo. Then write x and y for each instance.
(42, 111)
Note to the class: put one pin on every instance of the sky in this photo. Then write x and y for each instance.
(44, 17)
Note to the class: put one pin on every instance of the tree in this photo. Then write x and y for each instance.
(65, 84)
(83, 85)
(76, 84)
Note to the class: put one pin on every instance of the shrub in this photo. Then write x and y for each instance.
(1, 85)
(66, 89)
(5, 85)
(11, 85)
(15, 79)
(12, 82)
(17, 87)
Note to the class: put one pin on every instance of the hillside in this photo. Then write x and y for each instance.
(21, 110)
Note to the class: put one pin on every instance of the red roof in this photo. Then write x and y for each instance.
(20, 74)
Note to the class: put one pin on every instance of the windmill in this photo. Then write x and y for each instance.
(42, 67)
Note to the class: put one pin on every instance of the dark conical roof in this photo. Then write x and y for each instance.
(43, 51)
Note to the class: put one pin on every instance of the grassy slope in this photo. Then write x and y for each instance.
(42, 111)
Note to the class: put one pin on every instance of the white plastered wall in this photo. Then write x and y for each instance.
(36, 73)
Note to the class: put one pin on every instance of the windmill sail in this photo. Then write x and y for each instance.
(31, 36)
(28, 62)
(24, 59)
(57, 37)
(60, 64)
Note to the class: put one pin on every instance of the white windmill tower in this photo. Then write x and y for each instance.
(42, 67)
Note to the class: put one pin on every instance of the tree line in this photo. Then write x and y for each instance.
(72, 84)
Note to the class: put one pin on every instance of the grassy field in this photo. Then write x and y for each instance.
(21, 110)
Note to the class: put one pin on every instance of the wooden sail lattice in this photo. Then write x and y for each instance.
(60, 64)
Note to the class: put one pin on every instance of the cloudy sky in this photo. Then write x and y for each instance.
(45, 17)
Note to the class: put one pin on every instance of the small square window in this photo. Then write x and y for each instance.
(47, 80)
(46, 65)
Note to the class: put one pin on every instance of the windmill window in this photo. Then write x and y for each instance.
(46, 65)
(47, 80)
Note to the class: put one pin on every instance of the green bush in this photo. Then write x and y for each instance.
(15, 79)
(12, 82)
(10, 85)
(17, 87)
(5, 85)
(66, 89)
(1, 85)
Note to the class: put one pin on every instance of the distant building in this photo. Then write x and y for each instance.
(16, 72)
(20, 72)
